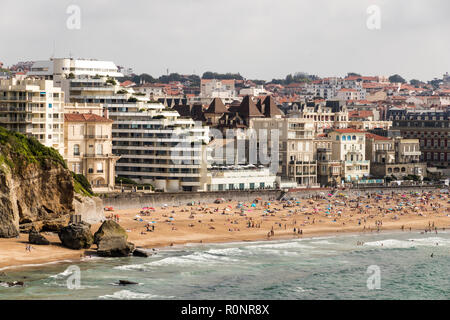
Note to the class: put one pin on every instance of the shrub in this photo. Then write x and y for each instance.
(82, 185)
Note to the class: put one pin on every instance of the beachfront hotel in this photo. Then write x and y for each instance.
(88, 145)
(33, 107)
(159, 147)
(431, 127)
(296, 148)
(348, 146)
(398, 157)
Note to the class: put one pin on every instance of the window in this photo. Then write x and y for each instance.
(100, 167)
(76, 150)
(99, 149)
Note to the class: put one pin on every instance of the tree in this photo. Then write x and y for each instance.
(435, 83)
(353, 74)
(415, 82)
(396, 78)
(222, 76)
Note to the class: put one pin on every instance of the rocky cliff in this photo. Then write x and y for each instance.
(35, 185)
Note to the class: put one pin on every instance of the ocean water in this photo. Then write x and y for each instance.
(333, 267)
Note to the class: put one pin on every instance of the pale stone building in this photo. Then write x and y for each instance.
(88, 149)
(348, 146)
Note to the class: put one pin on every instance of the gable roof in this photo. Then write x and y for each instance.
(248, 108)
(216, 106)
(85, 117)
(376, 137)
(268, 107)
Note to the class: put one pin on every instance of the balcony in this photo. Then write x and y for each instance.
(94, 155)
(96, 136)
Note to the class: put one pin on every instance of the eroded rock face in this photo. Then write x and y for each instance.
(111, 240)
(36, 192)
(141, 253)
(109, 229)
(114, 247)
(35, 237)
(76, 236)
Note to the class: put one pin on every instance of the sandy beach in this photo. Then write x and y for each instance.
(231, 221)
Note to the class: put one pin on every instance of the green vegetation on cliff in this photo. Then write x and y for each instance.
(81, 185)
(18, 150)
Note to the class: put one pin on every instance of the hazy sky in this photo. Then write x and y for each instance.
(262, 39)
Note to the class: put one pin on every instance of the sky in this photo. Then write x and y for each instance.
(260, 39)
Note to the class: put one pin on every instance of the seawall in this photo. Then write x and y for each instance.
(121, 201)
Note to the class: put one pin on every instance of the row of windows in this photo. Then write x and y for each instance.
(346, 138)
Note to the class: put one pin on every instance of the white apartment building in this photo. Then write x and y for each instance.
(62, 67)
(329, 88)
(240, 178)
(159, 147)
(333, 114)
(33, 107)
(213, 88)
(68, 72)
(348, 146)
(93, 90)
(253, 91)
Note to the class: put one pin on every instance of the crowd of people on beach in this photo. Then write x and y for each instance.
(337, 210)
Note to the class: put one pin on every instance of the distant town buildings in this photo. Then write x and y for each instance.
(168, 133)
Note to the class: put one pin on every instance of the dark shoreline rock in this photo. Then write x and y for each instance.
(114, 247)
(76, 236)
(139, 252)
(34, 237)
(111, 240)
(126, 282)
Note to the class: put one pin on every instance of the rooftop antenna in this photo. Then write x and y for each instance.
(53, 54)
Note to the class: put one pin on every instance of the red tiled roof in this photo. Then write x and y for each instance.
(127, 83)
(349, 130)
(376, 137)
(85, 117)
(360, 114)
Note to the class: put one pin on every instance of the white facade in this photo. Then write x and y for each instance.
(348, 146)
(213, 88)
(241, 179)
(158, 147)
(33, 107)
(253, 91)
(329, 88)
